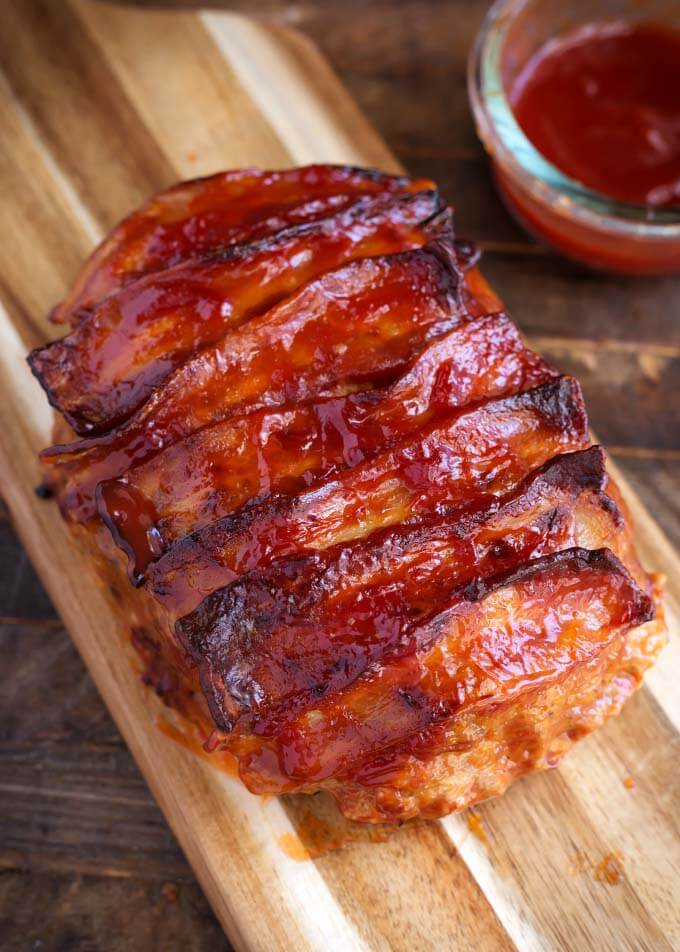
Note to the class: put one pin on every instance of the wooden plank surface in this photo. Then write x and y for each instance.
(94, 119)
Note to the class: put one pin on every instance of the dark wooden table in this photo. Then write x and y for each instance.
(86, 859)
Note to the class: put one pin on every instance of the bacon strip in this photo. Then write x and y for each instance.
(221, 467)
(448, 466)
(496, 640)
(278, 640)
(105, 369)
(357, 325)
(202, 215)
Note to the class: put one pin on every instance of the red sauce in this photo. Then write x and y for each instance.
(187, 736)
(603, 105)
(320, 830)
(610, 869)
(476, 827)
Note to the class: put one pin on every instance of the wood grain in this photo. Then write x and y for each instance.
(94, 121)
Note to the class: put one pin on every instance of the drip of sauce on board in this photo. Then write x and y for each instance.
(320, 829)
(610, 869)
(476, 827)
(603, 105)
(221, 759)
(314, 838)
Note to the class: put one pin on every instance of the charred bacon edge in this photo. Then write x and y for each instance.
(639, 609)
(64, 453)
(52, 363)
(115, 522)
(69, 311)
(571, 475)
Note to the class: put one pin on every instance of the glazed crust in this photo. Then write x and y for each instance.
(286, 448)
(112, 361)
(203, 215)
(353, 523)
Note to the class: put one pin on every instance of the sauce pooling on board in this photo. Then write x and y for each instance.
(603, 105)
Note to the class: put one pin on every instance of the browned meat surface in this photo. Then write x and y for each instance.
(369, 548)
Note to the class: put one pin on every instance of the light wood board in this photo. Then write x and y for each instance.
(100, 106)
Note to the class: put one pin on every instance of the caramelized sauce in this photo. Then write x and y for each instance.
(419, 589)
(284, 450)
(361, 323)
(366, 594)
(205, 215)
(452, 465)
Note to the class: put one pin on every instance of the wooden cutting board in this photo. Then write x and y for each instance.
(100, 107)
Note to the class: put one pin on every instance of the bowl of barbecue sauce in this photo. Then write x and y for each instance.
(578, 107)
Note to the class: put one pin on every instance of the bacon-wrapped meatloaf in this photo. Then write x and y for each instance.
(355, 526)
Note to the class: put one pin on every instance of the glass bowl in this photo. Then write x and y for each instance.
(587, 226)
